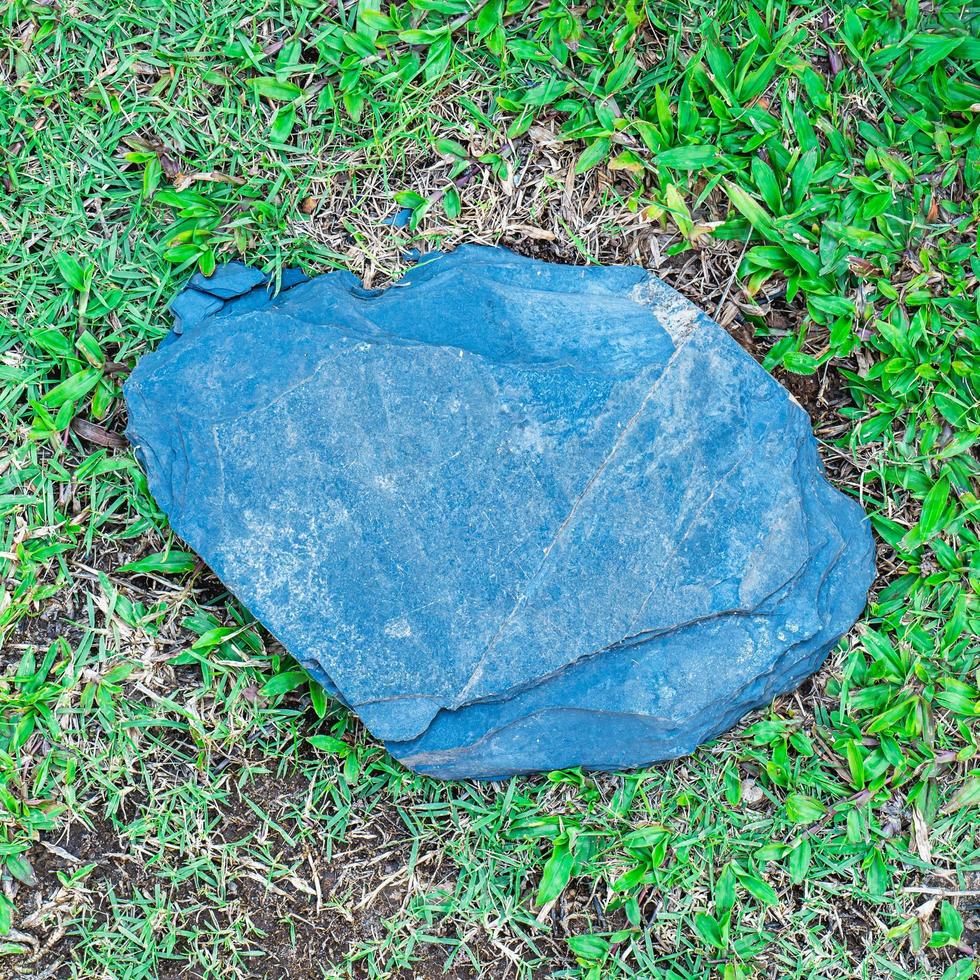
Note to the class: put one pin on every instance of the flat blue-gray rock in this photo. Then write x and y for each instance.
(518, 516)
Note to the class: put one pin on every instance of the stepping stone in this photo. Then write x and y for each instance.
(518, 516)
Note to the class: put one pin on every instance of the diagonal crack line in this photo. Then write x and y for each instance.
(600, 469)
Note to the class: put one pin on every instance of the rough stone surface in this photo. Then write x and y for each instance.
(518, 516)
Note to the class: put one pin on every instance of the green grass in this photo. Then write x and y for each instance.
(828, 156)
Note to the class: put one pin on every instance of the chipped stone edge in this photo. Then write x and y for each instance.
(674, 313)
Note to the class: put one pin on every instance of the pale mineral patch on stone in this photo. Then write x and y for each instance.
(674, 312)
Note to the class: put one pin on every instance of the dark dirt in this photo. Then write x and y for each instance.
(299, 935)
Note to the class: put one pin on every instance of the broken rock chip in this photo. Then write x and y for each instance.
(518, 516)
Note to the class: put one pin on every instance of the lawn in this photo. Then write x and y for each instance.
(176, 799)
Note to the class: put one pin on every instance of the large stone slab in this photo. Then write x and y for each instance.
(518, 516)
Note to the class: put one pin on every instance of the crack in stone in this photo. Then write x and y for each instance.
(603, 465)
